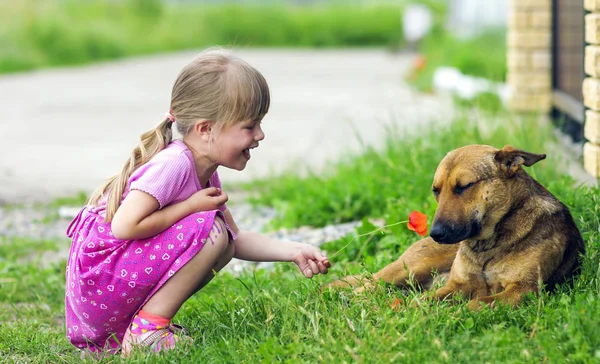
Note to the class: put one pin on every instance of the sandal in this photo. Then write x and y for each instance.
(179, 330)
(156, 340)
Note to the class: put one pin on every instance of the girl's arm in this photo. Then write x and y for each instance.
(257, 247)
(260, 248)
(139, 217)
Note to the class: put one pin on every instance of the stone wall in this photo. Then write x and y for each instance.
(529, 55)
(529, 75)
(591, 88)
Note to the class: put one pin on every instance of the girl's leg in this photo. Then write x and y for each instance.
(213, 256)
(221, 263)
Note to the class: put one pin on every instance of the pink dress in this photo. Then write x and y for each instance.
(109, 280)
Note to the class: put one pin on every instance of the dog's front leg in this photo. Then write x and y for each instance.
(512, 295)
(419, 264)
(453, 288)
(466, 284)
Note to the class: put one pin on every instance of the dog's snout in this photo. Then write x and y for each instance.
(437, 232)
(447, 232)
(440, 233)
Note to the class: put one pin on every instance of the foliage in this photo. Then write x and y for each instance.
(36, 34)
(389, 183)
(483, 55)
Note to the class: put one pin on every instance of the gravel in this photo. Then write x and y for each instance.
(37, 222)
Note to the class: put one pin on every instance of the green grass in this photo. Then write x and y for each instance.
(483, 55)
(278, 316)
(35, 34)
(393, 181)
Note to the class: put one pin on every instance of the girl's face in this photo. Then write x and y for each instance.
(232, 144)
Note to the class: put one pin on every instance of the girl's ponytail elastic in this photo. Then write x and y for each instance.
(169, 115)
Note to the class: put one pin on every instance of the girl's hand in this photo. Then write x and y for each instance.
(207, 199)
(310, 261)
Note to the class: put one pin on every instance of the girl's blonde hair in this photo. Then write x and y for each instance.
(215, 86)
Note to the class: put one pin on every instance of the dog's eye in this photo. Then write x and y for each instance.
(460, 189)
(436, 191)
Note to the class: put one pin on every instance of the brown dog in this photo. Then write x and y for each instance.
(496, 232)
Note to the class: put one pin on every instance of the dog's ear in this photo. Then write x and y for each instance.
(511, 159)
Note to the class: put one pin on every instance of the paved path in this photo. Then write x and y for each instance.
(66, 130)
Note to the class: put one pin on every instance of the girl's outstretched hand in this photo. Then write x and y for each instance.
(310, 261)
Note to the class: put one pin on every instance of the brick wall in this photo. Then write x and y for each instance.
(591, 88)
(529, 55)
(530, 67)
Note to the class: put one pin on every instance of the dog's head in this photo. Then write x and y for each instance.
(474, 188)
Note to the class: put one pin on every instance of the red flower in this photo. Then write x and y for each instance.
(417, 222)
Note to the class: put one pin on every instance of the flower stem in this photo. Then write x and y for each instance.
(365, 234)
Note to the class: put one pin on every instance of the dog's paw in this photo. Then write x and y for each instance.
(477, 304)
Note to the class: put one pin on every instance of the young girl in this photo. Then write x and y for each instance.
(154, 234)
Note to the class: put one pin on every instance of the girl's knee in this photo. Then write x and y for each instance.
(229, 252)
(218, 235)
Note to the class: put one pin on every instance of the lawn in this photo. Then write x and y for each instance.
(483, 55)
(278, 316)
(36, 34)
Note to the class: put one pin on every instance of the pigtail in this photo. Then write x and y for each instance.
(151, 142)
